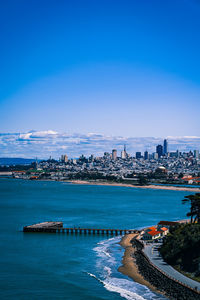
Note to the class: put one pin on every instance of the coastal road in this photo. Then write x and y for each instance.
(153, 254)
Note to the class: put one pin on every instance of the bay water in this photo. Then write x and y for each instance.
(61, 266)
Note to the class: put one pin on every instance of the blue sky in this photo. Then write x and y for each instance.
(128, 68)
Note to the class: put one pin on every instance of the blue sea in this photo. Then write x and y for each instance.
(61, 266)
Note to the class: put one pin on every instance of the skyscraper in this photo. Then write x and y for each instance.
(196, 154)
(114, 154)
(155, 155)
(146, 155)
(123, 153)
(159, 150)
(138, 155)
(64, 158)
(165, 147)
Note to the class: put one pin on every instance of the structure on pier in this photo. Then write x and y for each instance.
(57, 227)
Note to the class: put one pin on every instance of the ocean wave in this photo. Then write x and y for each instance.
(109, 255)
(104, 251)
(112, 287)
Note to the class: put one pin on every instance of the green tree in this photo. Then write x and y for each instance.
(194, 201)
(142, 180)
(181, 247)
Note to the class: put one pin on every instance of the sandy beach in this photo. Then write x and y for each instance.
(129, 266)
(155, 187)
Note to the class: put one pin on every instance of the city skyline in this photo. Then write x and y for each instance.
(43, 144)
(116, 68)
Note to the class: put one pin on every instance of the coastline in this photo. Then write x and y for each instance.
(155, 187)
(129, 266)
(104, 183)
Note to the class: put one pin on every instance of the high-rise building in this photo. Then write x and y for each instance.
(196, 154)
(123, 153)
(155, 155)
(64, 158)
(146, 155)
(138, 155)
(114, 154)
(159, 150)
(165, 147)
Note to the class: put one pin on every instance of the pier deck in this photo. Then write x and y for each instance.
(57, 227)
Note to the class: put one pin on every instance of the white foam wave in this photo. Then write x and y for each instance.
(123, 292)
(103, 249)
(92, 275)
(109, 255)
(108, 271)
(106, 253)
(129, 295)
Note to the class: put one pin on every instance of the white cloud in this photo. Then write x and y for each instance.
(51, 143)
(38, 134)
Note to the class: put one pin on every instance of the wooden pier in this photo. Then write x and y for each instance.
(57, 227)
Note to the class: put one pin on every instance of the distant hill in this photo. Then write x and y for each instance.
(8, 161)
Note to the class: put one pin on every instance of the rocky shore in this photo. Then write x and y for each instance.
(129, 266)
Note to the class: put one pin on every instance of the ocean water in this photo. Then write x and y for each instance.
(61, 266)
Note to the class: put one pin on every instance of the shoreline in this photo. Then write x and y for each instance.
(155, 187)
(129, 266)
(103, 183)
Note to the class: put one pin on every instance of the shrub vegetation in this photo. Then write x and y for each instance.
(181, 247)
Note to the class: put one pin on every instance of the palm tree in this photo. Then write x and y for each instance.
(194, 207)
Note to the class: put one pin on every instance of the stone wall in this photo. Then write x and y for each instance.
(171, 287)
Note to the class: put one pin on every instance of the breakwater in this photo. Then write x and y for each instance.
(171, 287)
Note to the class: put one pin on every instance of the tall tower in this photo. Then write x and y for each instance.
(123, 153)
(138, 155)
(159, 150)
(114, 154)
(36, 163)
(196, 154)
(165, 147)
(146, 155)
(64, 158)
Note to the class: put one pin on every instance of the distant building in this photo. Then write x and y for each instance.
(64, 158)
(167, 224)
(161, 169)
(106, 155)
(153, 233)
(91, 158)
(159, 150)
(155, 155)
(123, 153)
(114, 154)
(138, 155)
(174, 154)
(146, 155)
(196, 154)
(165, 147)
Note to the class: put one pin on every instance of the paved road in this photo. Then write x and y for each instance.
(152, 252)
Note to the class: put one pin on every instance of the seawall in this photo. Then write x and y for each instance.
(171, 287)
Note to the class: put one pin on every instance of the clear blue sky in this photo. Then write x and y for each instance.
(128, 68)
